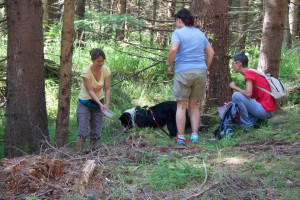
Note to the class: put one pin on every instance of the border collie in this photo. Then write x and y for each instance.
(164, 113)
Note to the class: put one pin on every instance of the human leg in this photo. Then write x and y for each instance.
(250, 109)
(180, 116)
(83, 120)
(194, 115)
(180, 92)
(197, 93)
(96, 126)
(80, 143)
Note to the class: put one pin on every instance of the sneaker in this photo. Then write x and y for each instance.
(180, 140)
(194, 138)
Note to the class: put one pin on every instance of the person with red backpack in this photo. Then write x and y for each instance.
(254, 103)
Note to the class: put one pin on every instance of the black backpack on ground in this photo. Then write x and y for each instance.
(229, 119)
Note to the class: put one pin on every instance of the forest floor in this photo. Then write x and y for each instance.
(260, 163)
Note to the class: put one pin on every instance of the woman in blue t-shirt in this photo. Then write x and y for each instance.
(193, 55)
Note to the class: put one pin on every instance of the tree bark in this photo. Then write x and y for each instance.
(26, 115)
(79, 12)
(53, 11)
(272, 36)
(293, 17)
(45, 17)
(62, 121)
(139, 14)
(179, 4)
(154, 13)
(122, 10)
(212, 17)
(287, 33)
(298, 26)
(171, 10)
(242, 26)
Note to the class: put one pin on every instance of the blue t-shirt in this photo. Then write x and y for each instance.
(190, 53)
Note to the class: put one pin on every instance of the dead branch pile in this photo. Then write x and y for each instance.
(47, 177)
(278, 147)
(233, 186)
(61, 174)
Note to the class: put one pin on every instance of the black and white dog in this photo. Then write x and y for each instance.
(155, 116)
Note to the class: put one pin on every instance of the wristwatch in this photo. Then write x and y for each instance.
(168, 64)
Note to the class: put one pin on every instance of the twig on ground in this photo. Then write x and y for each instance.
(202, 192)
(205, 179)
(55, 149)
(48, 184)
(17, 149)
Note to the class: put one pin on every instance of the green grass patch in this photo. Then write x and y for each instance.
(174, 175)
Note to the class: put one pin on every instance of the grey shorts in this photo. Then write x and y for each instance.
(189, 84)
(89, 121)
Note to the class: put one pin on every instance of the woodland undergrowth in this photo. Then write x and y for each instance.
(260, 163)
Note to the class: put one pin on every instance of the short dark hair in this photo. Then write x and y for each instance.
(186, 17)
(96, 53)
(242, 58)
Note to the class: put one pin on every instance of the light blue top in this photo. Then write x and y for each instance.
(190, 53)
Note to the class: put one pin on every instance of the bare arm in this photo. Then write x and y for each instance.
(89, 87)
(107, 91)
(247, 92)
(210, 53)
(172, 52)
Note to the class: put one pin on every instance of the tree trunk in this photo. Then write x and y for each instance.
(213, 19)
(62, 121)
(112, 6)
(154, 13)
(298, 26)
(79, 12)
(26, 115)
(45, 17)
(122, 10)
(293, 17)
(53, 11)
(272, 36)
(242, 25)
(171, 10)
(139, 14)
(287, 33)
(179, 5)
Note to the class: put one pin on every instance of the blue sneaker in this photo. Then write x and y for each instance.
(194, 138)
(180, 141)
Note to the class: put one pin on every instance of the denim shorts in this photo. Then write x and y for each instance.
(189, 84)
(90, 121)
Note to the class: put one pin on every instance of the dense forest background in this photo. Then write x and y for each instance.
(44, 46)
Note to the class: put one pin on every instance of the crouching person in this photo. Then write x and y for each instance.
(254, 103)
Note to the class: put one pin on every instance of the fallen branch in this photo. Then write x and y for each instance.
(145, 47)
(258, 17)
(88, 171)
(158, 62)
(135, 55)
(52, 147)
(205, 179)
(203, 191)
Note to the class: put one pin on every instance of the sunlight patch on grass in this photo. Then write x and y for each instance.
(235, 160)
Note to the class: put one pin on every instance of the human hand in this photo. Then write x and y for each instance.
(170, 68)
(103, 108)
(232, 85)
